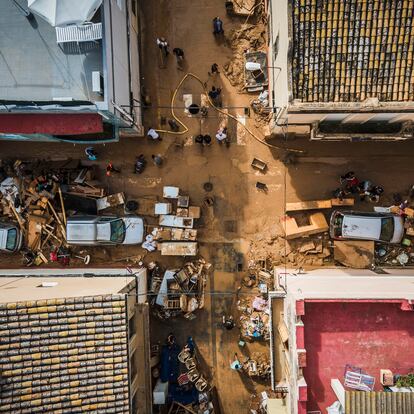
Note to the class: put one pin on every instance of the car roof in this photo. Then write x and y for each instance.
(81, 231)
(362, 227)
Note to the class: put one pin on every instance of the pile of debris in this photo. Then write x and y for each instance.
(250, 37)
(254, 318)
(179, 291)
(175, 234)
(31, 195)
(39, 195)
(257, 365)
(259, 404)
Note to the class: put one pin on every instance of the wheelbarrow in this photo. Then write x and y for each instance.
(259, 164)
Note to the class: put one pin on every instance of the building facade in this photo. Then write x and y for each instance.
(342, 69)
(81, 91)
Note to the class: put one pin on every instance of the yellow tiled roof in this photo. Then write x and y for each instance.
(351, 50)
(64, 356)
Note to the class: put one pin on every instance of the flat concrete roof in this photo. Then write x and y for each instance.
(15, 289)
(21, 287)
(349, 284)
(33, 67)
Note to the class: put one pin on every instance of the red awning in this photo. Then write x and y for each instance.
(51, 124)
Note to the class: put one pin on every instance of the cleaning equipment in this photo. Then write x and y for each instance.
(185, 130)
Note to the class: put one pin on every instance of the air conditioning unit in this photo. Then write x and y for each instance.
(97, 82)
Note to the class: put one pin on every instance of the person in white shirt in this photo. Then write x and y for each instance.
(153, 134)
(221, 135)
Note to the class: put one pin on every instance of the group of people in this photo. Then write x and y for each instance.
(164, 48)
(366, 190)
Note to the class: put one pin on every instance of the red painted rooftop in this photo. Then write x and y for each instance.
(370, 336)
(51, 124)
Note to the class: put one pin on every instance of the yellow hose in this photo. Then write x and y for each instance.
(218, 110)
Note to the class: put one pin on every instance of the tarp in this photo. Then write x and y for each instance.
(63, 12)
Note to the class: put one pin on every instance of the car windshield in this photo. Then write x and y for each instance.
(387, 229)
(337, 225)
(11, 239)
(117, 231)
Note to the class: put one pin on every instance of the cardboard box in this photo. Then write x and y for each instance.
(386, 377)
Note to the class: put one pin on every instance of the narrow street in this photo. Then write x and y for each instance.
(241, 213)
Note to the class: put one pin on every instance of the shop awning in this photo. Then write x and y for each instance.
(50, 124)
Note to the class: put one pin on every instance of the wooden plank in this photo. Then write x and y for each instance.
(309, 205)
(179, 248)
(336, 202)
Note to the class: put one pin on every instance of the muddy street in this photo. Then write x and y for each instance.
(243, 224)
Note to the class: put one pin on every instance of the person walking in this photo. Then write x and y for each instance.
(199, 139)
(163, 45)
(111, 169)
(157, 159)
(236, 364)
(217, 26)
(221, 135)
(179, 53)
(91, 154)
(153, 134)
(215, 96)
(214, 70)
(206, 140)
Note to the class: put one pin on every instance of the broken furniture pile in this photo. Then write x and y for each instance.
(182, 381)
(175, 235)
(31, 194)
(254, 318)
(398, 254)
(181, 292)
(257, 365)
(40, 195)
(258, 276)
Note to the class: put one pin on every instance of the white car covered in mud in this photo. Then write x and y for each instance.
(379, 227)
(98, 230)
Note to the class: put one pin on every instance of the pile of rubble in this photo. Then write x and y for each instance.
(249, 37)
(257, 365)
(179, 291)
(37, 197)
(308, 251)
(254, 318)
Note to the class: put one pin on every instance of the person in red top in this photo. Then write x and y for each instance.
(110, 169)
(350, 180)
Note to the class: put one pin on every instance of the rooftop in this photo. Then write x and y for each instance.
(352, 50)
(33, 67)
(64, 355)
(21, 288)
(338, 283)
(370, 336)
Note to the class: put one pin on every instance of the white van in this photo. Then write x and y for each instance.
(97, 230)
(10, 237)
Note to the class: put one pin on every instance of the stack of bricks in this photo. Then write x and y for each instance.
(64, 356)
(351, 50)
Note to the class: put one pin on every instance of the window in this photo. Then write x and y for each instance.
(134, 7)
(387, 229)
(337, 225)
(132, 326)
(11, 239)
(117, 231)
(276, 47)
